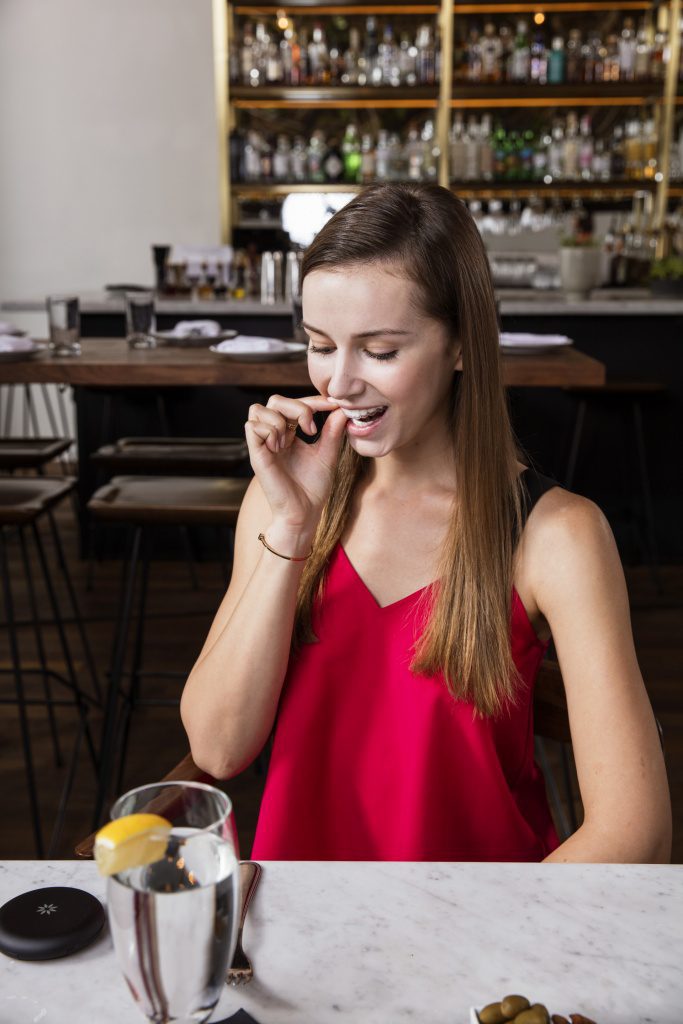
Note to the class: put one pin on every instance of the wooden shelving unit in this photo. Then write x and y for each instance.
(449, 95)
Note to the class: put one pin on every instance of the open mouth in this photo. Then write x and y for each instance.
(364, 417)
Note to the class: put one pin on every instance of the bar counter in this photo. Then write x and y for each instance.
(383, 942)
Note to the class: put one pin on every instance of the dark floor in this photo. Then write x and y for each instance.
(178, 618)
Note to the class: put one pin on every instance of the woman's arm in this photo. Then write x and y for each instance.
(578, 585)
(230, 699)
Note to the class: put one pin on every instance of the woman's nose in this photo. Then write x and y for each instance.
(343, 383)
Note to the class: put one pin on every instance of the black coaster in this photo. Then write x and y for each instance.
(48, 923)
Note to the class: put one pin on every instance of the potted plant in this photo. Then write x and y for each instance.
(666, 277)
(580, 267)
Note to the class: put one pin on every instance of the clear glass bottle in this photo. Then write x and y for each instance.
(299, 160)
(571, 147)
(485, 149)
(539, 59)
(556, 152)
(457, 149)
(472, 168)
(407, 61)
(627, 51)
(367, 160)
(612, 65)
(382, 156)
(475, 67)
(282, 168)
(644, 46)
(316, 155)
(586, 148)
(351, 55)
(521, 54)
(426, 58)
(491, 49)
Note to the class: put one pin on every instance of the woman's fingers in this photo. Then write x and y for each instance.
(300, 410)
(331, 436)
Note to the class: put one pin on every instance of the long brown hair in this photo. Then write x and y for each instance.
(428, 234)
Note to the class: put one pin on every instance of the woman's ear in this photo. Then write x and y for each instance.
(458, 358)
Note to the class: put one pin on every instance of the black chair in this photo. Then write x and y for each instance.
(143, 504)
(623, 399)
(24, 502)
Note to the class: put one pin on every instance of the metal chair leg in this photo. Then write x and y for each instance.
(21, 703)
(107, 745)
(8, 410)
(71, 677)
(40, 648)
(133, 694)
(78, 618)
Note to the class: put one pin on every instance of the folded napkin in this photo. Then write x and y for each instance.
(196, 329)
(528, 340)
(11, 343)
(7, 328)
(246, 343)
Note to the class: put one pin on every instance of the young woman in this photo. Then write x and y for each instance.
(396, 583)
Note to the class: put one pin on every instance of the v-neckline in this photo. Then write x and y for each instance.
(366, 588)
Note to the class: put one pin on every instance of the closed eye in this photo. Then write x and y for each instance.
(380, 356)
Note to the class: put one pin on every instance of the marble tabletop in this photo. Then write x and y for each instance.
(384, 942)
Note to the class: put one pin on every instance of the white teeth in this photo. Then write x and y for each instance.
(359, 415)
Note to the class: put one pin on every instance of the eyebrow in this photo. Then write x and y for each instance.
(377, 333)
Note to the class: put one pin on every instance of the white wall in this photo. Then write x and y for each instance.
(108, 139)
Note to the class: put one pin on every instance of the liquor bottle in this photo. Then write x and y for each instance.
(457, 150)
(660, 47)
(236, 156)
(282, 168)
(299, 160)
(247, 61)
(644, 49)
(370, 48)
(274, 69)
(316, 155)
(426, 62)
(586, 148)
(539, 59)
(634, 150)
(507, 47)
(540, 158)
(397, 171)
(556, 152)
(413, 156)
(574, 70)
(556, 61)
(336, 63)
(382, 156)
(475, 65)
(367, 160)
(431, 151)
(649, 147)
(318, 57)
(407, 61)
(304, 59)
(627, 51)
(472, 171)
(295, 61)
(351, 154)
(521, 54)
(287, 57)
(571, 147)
(252, 158)
(590, 59)
(387, 58)
(611, 63)
(350, 73)
(617, 154)
(486, 149)
(526, 155)
(266, 155)
(491, 54)
(600, 170)
(333, 163)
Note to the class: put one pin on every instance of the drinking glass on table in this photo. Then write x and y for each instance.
(64, 321)
(140, 320)
(174, 921)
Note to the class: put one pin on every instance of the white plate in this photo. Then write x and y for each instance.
(22, 354)
(532, 344)
(192, 340)
(290, 350)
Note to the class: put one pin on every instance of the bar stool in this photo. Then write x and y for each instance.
(30, 452)
(23, 501)
(184, 456)
(625, 398)
(141, 503)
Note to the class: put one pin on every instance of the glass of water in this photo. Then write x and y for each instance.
(64, 321)
(174, 922)
(140, 320)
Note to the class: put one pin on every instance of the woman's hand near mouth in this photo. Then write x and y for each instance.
(296, 477)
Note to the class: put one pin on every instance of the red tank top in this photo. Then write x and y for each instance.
(372, 762)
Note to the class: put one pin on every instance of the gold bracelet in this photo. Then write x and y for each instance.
(289, 558)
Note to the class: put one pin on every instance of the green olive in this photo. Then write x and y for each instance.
(512, 1005)
(536, 1014)
(557, 1018)
(492, 1014)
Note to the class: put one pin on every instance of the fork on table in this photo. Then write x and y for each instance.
(240, 971)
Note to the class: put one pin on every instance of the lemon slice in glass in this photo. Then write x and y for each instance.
(131, 842)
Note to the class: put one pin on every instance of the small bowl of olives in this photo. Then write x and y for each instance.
(515, 1009)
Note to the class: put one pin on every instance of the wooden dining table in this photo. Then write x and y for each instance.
(109, 362)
